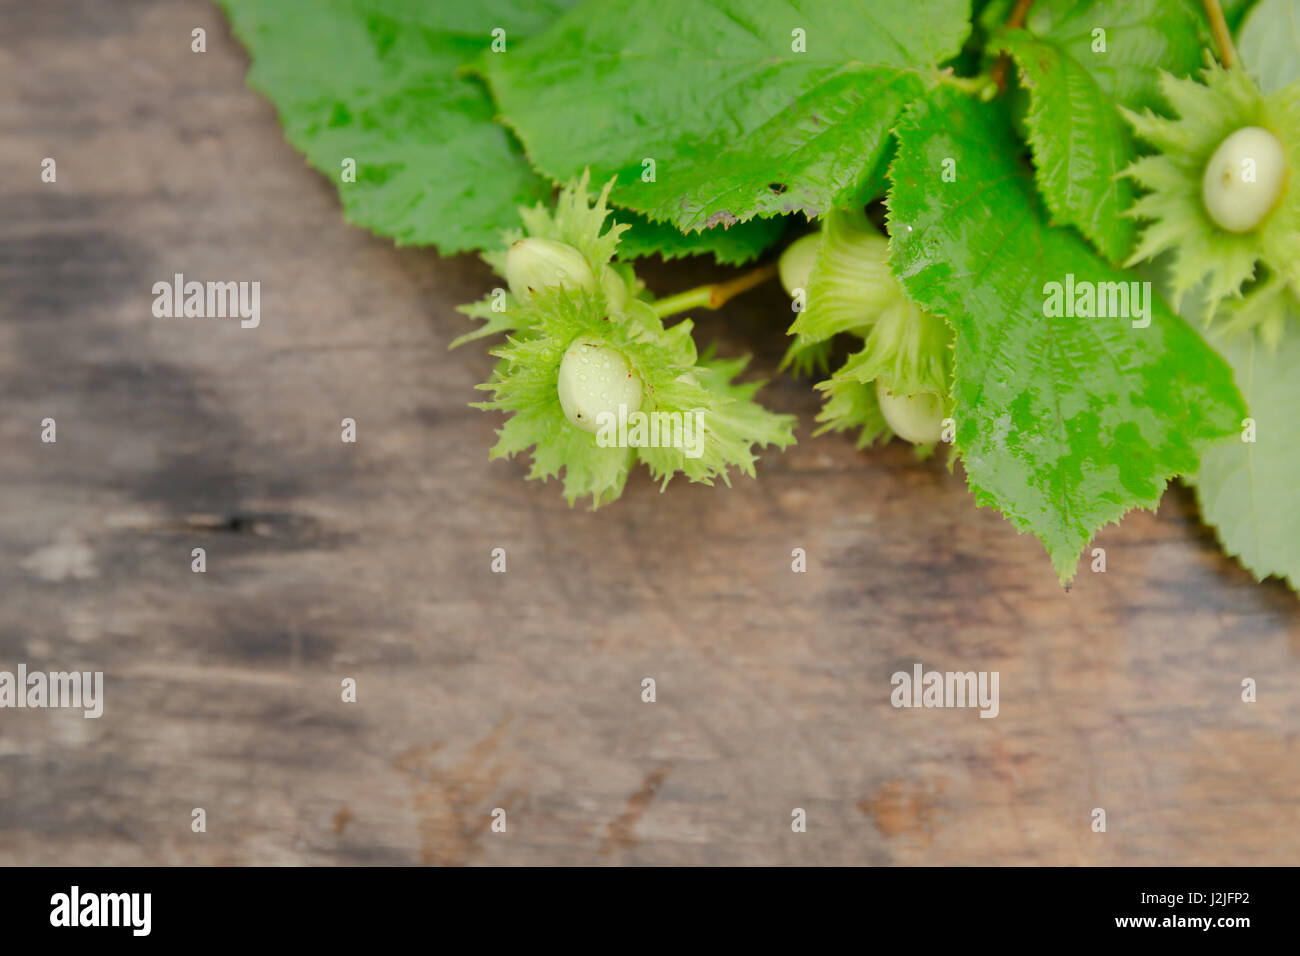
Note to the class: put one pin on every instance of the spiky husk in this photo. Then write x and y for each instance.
(1217, 265)
(675, 378)
(851, 289)
(576, 220)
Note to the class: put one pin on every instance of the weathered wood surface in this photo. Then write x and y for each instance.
(522, 691)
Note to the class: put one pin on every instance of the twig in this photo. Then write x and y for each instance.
(714, 295)
(1222, 36)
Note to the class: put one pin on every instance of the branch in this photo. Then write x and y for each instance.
(715, 295)
(1222, 36)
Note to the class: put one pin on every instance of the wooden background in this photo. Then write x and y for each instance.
(521, 691)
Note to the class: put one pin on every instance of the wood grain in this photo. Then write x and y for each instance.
(519, 690)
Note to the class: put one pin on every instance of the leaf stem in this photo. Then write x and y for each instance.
(714, 295)
(977, 86)
(1017, 19)
(1222, 35)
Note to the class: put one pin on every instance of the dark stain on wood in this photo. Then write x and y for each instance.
(621, 832)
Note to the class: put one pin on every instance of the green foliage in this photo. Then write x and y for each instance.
(1249, 490)
(1269, 43)
(1063, 424)
(711, 123)
(377, 82)
(1076, 77)
(383, 82)
(738, 122)
(729, 246)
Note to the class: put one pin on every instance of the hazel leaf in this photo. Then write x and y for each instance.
(1269, 43)
(1064, 424)
(1075, 76)
(733, 246)
(377, 83)
(740, 108)
(1247, 487)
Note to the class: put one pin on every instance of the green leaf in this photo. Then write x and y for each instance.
(733, 246)
(737, 123)
(1062, 423)
(1249, 491)
(1233, 10)
(375, 81)
(1080, 140)
(1269, 43)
